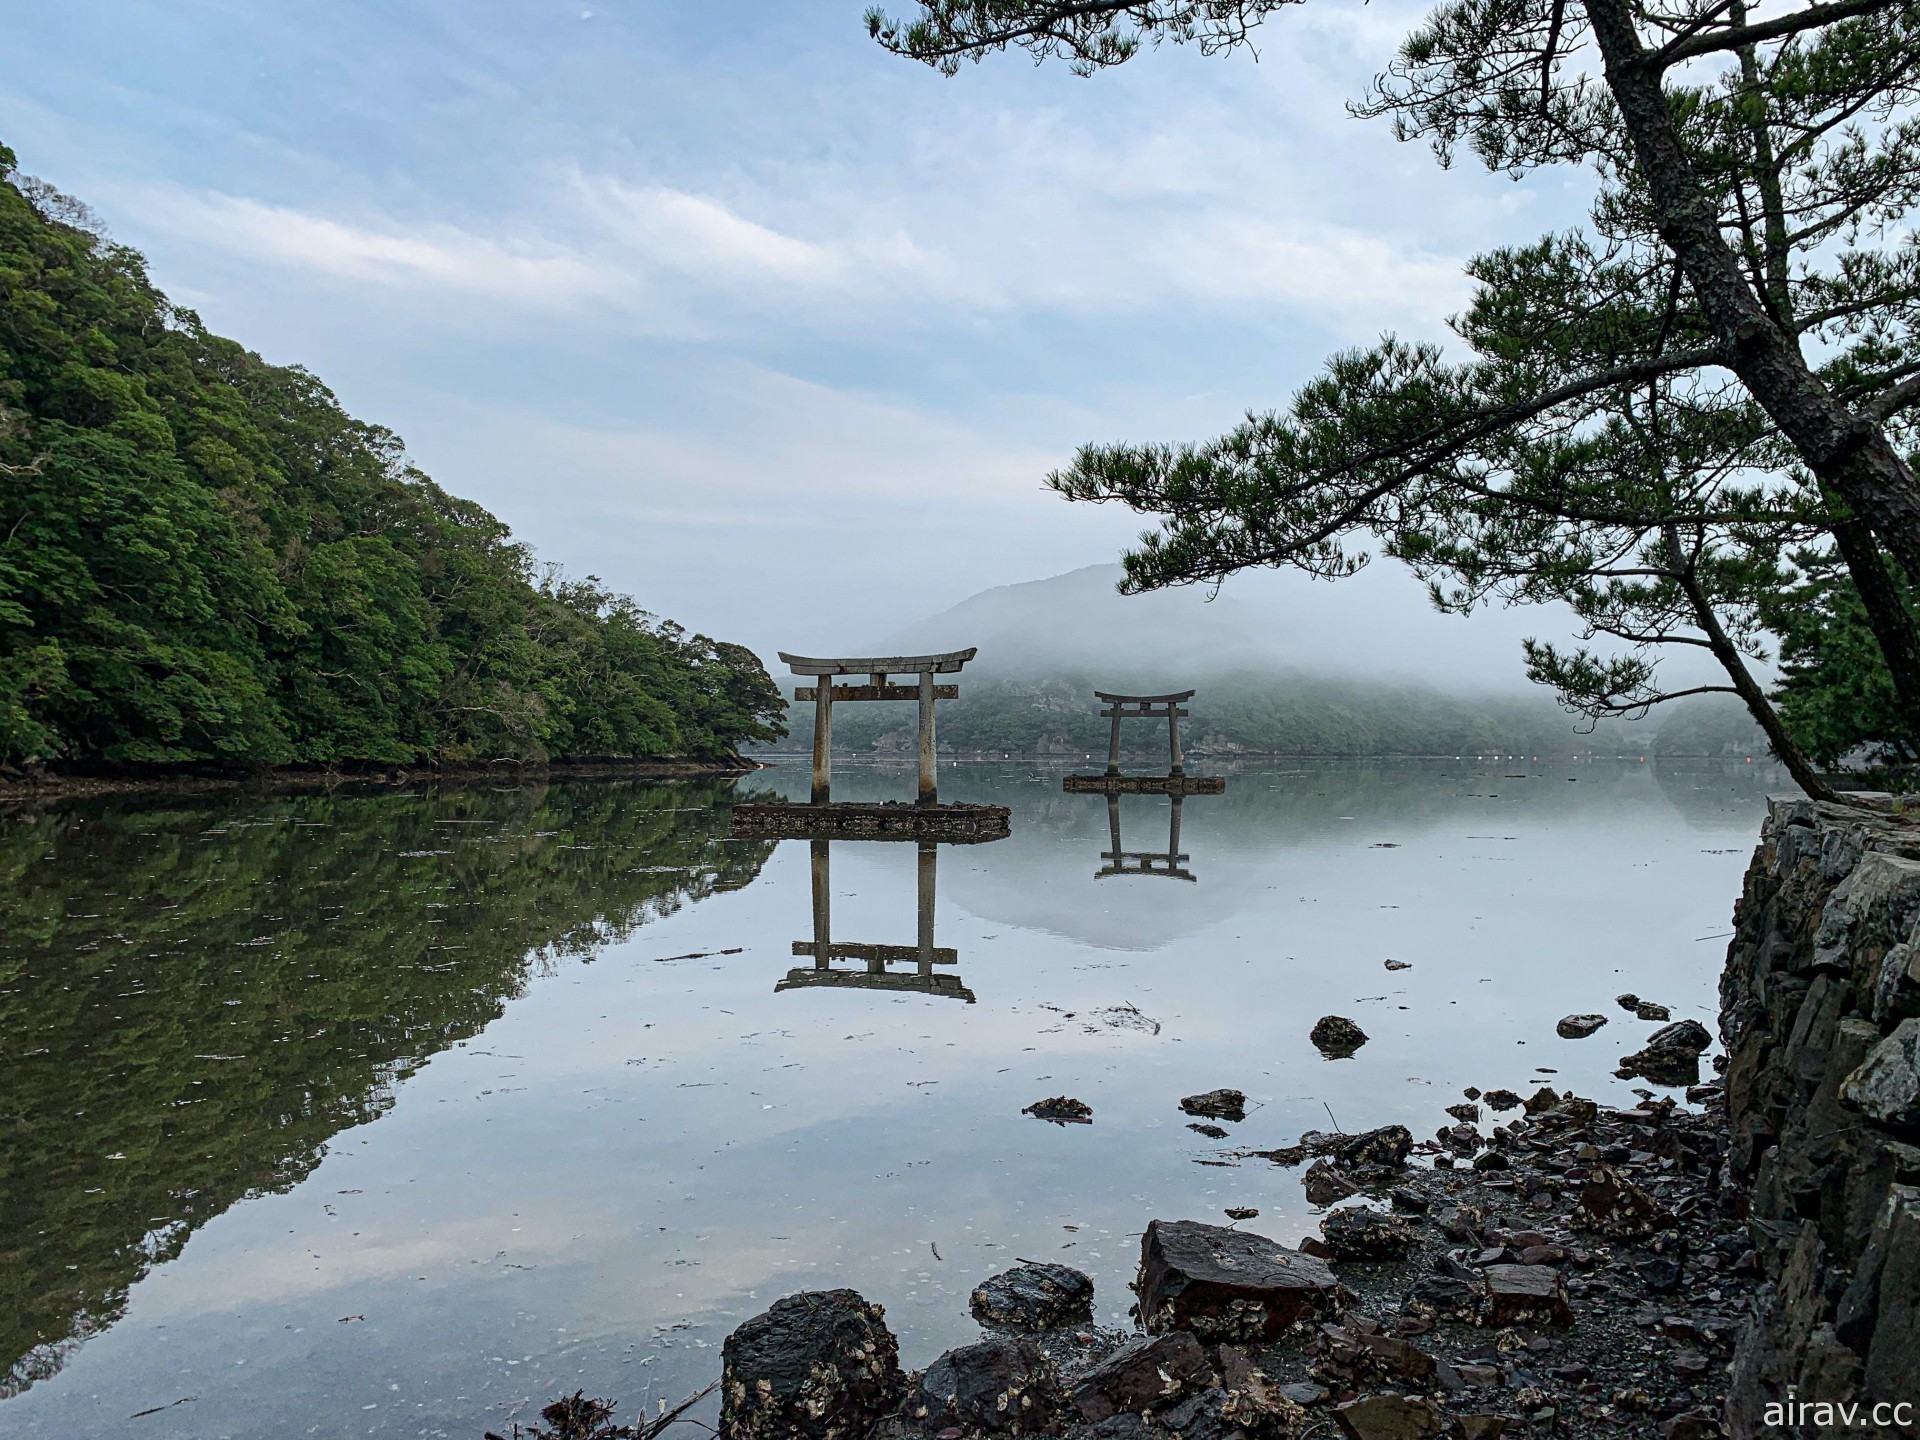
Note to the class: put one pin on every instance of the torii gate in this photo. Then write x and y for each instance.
(1145, 707)
(877, 669)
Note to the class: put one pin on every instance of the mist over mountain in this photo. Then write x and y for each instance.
(1376, 626)
(1284, 665)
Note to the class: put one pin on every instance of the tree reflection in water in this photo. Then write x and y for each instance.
(196, 996)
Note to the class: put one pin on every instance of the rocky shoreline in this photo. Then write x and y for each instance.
(1545, 1266)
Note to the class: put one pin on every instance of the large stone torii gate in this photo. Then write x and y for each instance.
(878, 670)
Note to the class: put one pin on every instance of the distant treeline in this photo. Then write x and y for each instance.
(1271, 713)
(204, 558)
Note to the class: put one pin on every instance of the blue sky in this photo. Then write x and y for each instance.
(720, 302)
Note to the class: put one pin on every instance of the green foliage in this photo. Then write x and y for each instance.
(1834, 690)
(203, 558)
(276, 972)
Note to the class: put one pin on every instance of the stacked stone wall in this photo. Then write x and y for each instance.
(1820, 1012)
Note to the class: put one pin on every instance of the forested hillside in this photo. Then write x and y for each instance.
(204, 558)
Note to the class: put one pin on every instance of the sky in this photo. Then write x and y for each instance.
(776, 332)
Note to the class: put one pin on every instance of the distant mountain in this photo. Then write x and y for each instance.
(1286, 666)
(1376, 626)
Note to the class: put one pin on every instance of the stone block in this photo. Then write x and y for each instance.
(1886, 1086)
(1031, 1298)
(1001, 1386)
(1524, 1295)
(1142, 1375)
(1227, 1284)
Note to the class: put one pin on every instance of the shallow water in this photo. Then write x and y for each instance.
(396, 1114)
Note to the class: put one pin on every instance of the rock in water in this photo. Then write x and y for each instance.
(1144, 1374)
(820, 1365)
(1032, 1298)
(1647, 1010)
(1326, 1183)
(1579, 1027)
(1336, 1037)
(1217, 1105)
(1671, 1055)
(1061, 1110)
(1227, 1284)
(1886, 1086)
(1357, 1233)
(1000, 1386)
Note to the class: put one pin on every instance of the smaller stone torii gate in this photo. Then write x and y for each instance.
(878, 670)
(1176, 781)
(1145, 707)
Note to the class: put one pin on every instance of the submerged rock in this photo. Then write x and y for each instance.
(1227, 1284)
(1031, 1298)
(1061, 1110)
(1579, 1027)
(820, 1365)
(1336, 1037)
(999, 1386)
(1217, 1105)
(1671, 1055)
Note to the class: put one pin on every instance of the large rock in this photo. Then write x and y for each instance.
(820, 1365)
(1227, 1284)
(1144, 1374)
(1671, 1055)
(1357, 1233)
(1887, 1086)
(1388, 1417)
(1612, 1205)
(1525, 1295)
(1336, 1037)
(1001, 1386)
(1033, 1298)
(1217, 1105)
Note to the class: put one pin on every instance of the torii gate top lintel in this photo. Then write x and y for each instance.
(944, 664)
(1176, 698)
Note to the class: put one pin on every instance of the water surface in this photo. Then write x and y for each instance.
(398, 1114)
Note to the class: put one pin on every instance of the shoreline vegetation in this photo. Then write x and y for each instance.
(205, 561)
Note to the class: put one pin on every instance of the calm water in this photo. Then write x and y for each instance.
(397, 1115)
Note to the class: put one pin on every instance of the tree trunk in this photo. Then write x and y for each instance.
(1844, 450)
(1887, 615)
(1785, 747)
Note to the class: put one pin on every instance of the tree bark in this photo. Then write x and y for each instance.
(1785, 748)
(1847, 451)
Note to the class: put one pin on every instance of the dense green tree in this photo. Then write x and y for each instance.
(1834, 692)
(1748, 234)
(204, 558)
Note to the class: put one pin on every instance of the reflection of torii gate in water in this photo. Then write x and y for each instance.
(1169, 862)
(923, 955)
